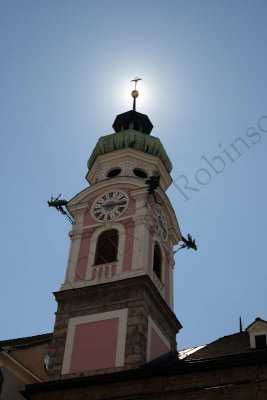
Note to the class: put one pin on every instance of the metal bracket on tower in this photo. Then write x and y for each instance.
(153, 183)
(61, 206)
(188, 243)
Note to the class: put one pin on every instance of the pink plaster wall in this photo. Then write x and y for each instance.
(83, 256)
(131, 206)
(88, 220)
(128, 252)
(167, 279)
(95, 345)
(150, 254)
(157, 348)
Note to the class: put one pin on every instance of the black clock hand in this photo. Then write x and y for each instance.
(114, 203)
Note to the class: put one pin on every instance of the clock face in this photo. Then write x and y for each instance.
(161, 222)
(109, 206)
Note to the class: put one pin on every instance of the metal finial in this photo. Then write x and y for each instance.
(135, 92)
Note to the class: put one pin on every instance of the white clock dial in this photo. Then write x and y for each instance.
(161, 222)
(109, 206)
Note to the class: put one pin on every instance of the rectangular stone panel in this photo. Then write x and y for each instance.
(94, 345)
(95, 342)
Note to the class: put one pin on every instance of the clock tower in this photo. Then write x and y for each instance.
(115, 306)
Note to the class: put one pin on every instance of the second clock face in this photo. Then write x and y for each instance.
(161, 223)
(109, 206)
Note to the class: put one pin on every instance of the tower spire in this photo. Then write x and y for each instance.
(135, 92)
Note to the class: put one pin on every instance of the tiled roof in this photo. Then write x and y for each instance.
(186, 352)
(237, 343)
(26, 341)
(166, 365)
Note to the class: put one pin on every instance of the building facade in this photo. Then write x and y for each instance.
(115, 329)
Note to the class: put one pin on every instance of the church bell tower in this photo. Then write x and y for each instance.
(115, 307)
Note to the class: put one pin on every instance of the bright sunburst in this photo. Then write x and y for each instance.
(125, 94)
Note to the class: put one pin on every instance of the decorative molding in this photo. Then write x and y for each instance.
(104, 272)
(72, 260)
(123, 275)
(127, 159)
(140, 243)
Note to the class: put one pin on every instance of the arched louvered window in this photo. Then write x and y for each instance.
(107, 247)
(157, 261)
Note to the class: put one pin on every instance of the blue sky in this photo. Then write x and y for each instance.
(65, 73)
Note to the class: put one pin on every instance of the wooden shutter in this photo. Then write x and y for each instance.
(107, 247)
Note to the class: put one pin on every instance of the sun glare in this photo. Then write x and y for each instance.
(119, 87)
(124, 93)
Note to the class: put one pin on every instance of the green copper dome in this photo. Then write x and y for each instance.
(130, 138)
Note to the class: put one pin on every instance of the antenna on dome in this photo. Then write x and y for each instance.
(135, 92)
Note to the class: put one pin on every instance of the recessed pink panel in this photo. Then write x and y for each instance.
(158, 348)
(94, 345)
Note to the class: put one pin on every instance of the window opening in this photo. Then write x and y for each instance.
(260, 341)
(140, 173)
(107, 247)
(114, 172)
(157, 261)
